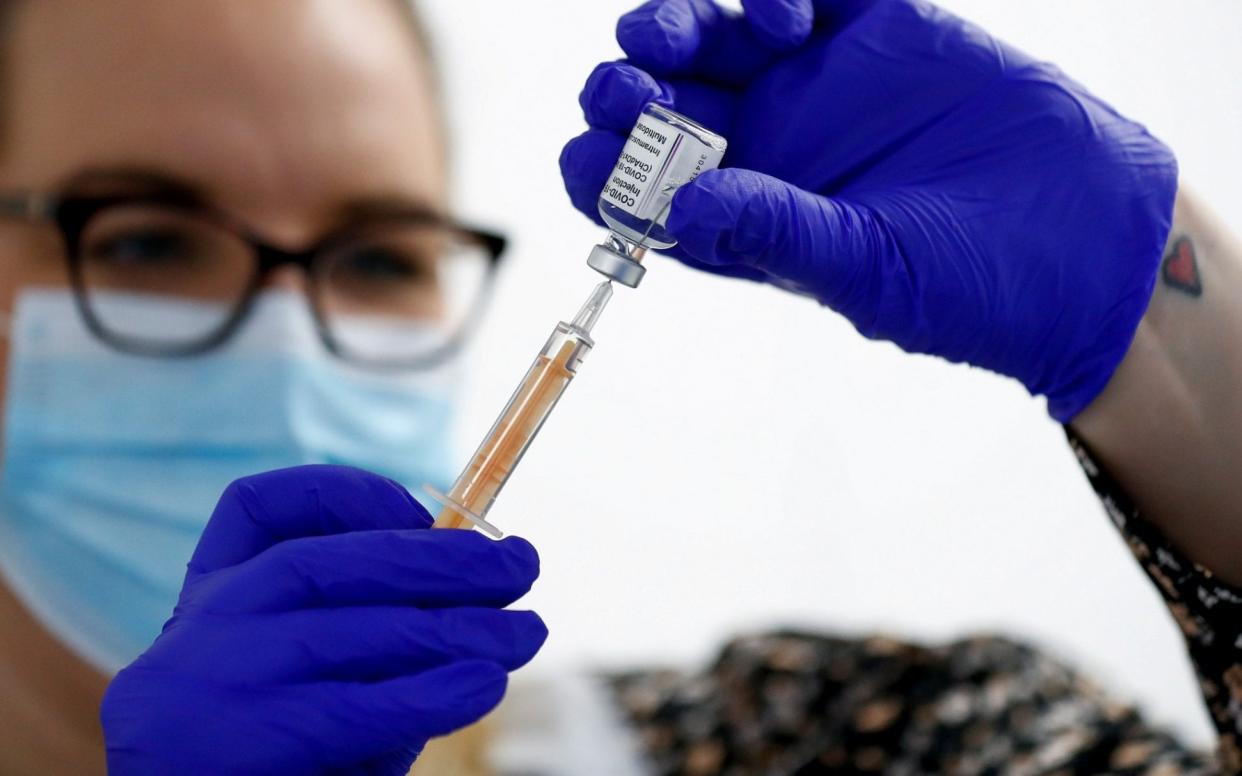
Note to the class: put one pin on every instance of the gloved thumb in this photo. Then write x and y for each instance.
(831, 249)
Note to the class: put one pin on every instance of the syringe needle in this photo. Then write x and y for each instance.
(593, 307)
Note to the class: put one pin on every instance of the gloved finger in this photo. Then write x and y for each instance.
(843, 254)
(616, 92)
(427, 569)
(711, 106)
(586, 162)
(359, 644)
(259, 511)
(697, 37)
(364, 721)
(303, 728)
(394, 763)
(780, 24)
(692, 37)
(832, 15)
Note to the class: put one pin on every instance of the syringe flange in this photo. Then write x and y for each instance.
(610, 262)
(470, 517)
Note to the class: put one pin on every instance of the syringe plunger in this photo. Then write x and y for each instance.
(475, 490)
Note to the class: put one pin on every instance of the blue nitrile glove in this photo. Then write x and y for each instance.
(939, 188)
(322, 629)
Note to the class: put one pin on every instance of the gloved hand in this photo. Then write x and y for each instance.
(322, 629)
(939, 188)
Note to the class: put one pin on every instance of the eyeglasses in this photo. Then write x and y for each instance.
(396, 290)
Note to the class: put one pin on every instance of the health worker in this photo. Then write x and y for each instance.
(233, 291)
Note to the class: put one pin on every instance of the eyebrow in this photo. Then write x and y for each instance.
(149, 180)
(107, 180)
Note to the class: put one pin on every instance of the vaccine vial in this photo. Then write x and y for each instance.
(665, 151)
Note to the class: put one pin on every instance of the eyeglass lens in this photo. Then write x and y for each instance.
(391, 291)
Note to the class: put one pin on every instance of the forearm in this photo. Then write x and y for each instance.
(1169, 424)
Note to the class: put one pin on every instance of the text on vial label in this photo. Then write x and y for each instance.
(657, 159)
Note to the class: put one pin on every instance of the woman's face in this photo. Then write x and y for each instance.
(286, 114)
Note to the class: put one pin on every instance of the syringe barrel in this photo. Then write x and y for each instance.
(503, 447)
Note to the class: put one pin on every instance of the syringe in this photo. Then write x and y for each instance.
(665, 151)
(466, 505)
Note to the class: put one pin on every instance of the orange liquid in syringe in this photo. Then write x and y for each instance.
(497, 456)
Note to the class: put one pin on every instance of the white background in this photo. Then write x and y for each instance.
(734, 458)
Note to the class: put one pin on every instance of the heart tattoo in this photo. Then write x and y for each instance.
(1181, 270)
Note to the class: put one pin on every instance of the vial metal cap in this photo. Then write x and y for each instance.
(610, 262)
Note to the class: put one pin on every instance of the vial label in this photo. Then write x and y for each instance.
(657, 159)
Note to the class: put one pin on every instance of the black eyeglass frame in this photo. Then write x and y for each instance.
(71, 214)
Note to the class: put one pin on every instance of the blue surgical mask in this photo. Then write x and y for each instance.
(112, 463)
